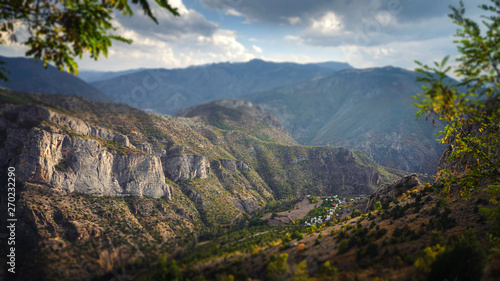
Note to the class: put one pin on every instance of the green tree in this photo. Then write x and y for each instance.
(167, 269)
(62, 30)
(355, 213)
(463, 260)
(470, 108)
(278, 269)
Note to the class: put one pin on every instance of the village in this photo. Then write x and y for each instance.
(332, 207)
(317, 210)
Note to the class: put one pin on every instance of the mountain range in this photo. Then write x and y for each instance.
(363, 109)
(319, 104)
(29, 76)
(166, 91)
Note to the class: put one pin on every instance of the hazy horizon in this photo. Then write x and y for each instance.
(373, 33)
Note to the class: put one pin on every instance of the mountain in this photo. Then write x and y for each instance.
(240, 115)
(166, 91)
(30, 76)
(113, 185)
(418, 237)
(94, 75)
(332, 65)
(363, 109)
(319, 104)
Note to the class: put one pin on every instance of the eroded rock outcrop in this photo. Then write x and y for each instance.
(65, 152)
(84, 165)
(232, 165)
(387, 192)
(180, 165)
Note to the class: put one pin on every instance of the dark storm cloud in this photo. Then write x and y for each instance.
(341, 22)
(276, 11)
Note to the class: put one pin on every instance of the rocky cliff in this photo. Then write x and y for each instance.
(387, 192)
(65, 152)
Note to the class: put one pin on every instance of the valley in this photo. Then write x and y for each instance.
(118, 182)
(249, 140)
(222, 190)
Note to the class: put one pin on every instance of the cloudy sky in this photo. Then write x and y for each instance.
(364, 33)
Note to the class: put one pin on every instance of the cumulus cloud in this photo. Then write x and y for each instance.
(182, 41)
(169, 27)
(401, 54)
(256, 49)
(174, 42)
(153, 50)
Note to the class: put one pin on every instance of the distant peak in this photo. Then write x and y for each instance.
(257, 61)
(232, 103)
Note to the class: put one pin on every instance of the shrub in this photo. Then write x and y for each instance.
(284, 246)
(371, 216)
(313, 199)
(312, 229)
(301, 247)
(424, 262)
(355, 213)
(297, 235)
(167, 270)
(464, 260)
(380, 232)
(445, 220)
(301, 273)
(225, 277)
(372, 225)
(328, 270)
(343, 246)
(370, 251)
(385, 206)
(398, 212)
(278, 269)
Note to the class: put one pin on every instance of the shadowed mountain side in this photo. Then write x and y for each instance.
(95, 75)
(368, 110)
(240, 115)
(29, 76)
(166, 91)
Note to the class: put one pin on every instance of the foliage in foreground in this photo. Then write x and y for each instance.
(62, 30)
(470, 108)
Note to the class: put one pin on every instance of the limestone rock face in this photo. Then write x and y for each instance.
(387, 192)
(33, 114)
(79, 162)
(185, 166)
(235, 165)
(84, 165)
